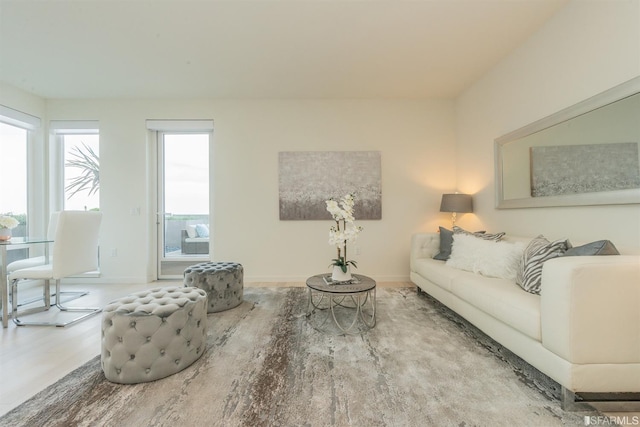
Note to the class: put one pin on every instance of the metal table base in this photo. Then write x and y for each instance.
(351, 308)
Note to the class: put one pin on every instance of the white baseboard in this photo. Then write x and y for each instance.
(107, 280)
(97, 279)
(303, 279)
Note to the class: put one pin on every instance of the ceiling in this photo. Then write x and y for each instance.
(259, 49)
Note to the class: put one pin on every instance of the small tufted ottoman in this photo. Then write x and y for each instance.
(153, 334)
(223, 282)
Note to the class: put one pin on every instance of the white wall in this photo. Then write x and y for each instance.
(416, 140)
(588, 47)
(21, 100)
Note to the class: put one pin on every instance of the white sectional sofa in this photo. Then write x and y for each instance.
(583, 330)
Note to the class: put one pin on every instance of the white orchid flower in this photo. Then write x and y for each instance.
(345, 229)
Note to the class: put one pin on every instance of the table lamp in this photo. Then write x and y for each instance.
(456, 203)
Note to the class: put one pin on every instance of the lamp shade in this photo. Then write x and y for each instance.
(456, 203)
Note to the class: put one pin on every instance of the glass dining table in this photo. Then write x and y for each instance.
(11, 244)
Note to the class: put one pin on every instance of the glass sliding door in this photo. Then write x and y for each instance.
(184, 228)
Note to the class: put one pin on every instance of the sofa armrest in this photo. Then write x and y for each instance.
(590, 308)
(424, 245)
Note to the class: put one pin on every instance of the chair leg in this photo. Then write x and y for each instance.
(5, 300)
(14, 301)
(46, 295)
(89, 311)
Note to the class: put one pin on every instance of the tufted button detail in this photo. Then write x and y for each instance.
(222, 281)
(167, 317)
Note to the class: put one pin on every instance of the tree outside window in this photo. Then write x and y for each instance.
(81, 172)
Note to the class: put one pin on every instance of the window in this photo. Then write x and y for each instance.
(16, 154)
(81, 172)
(76, 162)
(21, 164)
(185, 193)
(13, 175)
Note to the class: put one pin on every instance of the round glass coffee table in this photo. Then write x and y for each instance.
(350, 306)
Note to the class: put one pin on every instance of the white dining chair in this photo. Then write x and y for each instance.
(75, 251)
(38, 260)
(41, 260)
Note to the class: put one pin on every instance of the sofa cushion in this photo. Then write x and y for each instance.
(486, 257)
(535, 254)
(437, 272)
(197, 240)
(601, 247)
(501, 299)
(446, 240)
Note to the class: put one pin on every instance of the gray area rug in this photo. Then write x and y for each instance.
(266, 365)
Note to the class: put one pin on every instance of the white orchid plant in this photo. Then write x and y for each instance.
(7, 221)
(345, 229)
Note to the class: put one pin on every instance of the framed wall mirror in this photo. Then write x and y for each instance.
(587, 154)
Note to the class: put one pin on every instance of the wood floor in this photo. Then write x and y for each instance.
(31, 358)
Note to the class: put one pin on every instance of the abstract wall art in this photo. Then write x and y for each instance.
(308, 178)
(575, 169)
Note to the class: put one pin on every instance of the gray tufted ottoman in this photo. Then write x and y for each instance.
(223, 282)
(153, 334)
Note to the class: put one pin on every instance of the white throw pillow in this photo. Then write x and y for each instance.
(202, 230)
(486, 257)
(191, 231)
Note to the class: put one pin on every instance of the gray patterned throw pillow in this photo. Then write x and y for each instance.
(446, 240)
(496, 237)
(601, 247)
(535, 254)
